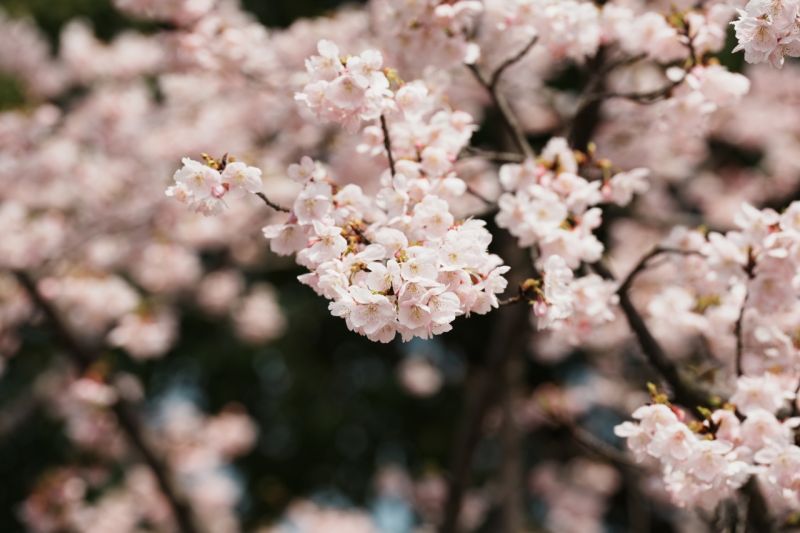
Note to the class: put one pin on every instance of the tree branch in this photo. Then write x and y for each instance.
(737, 329)
(598, 447)
(498, 73)
(586, 119)
(271, 204)
(684, 392)
(498, 157)
(491, 85)
(646, 97)
(507, 341)
(796, 402)
(83, 359)
(387, 144)
(757, 518)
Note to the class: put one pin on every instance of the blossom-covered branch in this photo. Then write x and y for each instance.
(125, 416)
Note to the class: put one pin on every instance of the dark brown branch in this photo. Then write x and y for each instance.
(645, 97)
(497, 157)
(624, 61)
(684, 392)
(587, 118)
(83, 358)
(76, 351)
(498, 73)
(758, 517)
(499, 101)
(387, 144)
(507, 340)
(644, 263)
(271, 204)
(737, 330)
(598, 447)
(796, 402)
(749, 269)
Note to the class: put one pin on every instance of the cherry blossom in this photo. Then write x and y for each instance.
(768, 31)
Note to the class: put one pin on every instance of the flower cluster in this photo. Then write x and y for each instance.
(704, 462)
(769, 31)
(549, 205)
(573, 307)
(429, 32)
(426, 136)
(566, 28)
(346, 90)
(399, 263)
(747, 277)
(203, 187)
(698, 94)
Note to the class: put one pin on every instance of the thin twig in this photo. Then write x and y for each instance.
(479, 196)
(643, 263)
(749, 269)
(83, 358)
(645, 97)
(621, 62)
(510, 300)
(491, 85)
(498, 157)
(600, 448)
(272, 204)
(737, 330)
(498, 73)
(509, 119)
(387, 144)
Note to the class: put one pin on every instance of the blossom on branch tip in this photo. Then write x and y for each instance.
(203, 187)
(409, 268)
